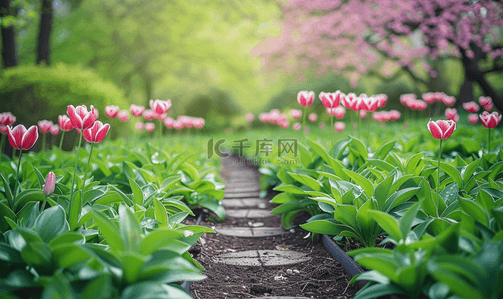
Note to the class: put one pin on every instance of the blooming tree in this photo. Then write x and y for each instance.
(352, 36)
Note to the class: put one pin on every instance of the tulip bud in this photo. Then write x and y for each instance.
(50, 183)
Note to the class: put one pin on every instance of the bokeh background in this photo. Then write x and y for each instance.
(221, 59)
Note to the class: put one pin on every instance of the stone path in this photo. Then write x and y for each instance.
(242, 200)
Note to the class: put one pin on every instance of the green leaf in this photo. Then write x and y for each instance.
(67, 255)
(306, 180)
(384, 149)
(160, 213)
(157, 239)
(99, 288)
(289, 188)
(365, 184)
(359, 148)
(130, 228)
(382, 263)
(388, 223)
(407, 219)
(378, 290)
(382, 164)
(8, 192)
(137, 193)
(51, 223)
(8, 213)
(323, 227)
(475, 211)
(452, 172)
(468, 170)
(109, 230)
(415, 164)
(398, 198)
(37, 254)
(9, 254)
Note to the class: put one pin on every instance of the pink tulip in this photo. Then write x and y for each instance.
(136, 110)
(339, 126)
(449, 101)
(490, 120)
(369, 104)
(139, 126)
(305, 98)
(160, 106)
(198, 123)
(168, 122)
(429, 98)
(441, 129)
(312, 117)
(484, 101)
(250, 117)
(3, 130)
(149, 126)
(44, 126)
(54, 130)
(111, 111)
(96, 133)
(351, 101)
(394, 115)
(323, 126)
(363, 113)
(123, 116)
(297, 126)
(295, 113)
(339, 112)
(80, 117)
(489, 106)
(149, 114)
(473, 118)
(471, 106)
(22, 139)
(177, 125)
(50, 183)
(65, 123)
(382, 99)
(450, 113)
(7, 119)
(284, 124)
(331, 100)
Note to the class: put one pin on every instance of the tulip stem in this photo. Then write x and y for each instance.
(43, 204)
(332, 134)
(2, 143)
(304, 124)
(489, 142)
(359, 121)
(17, 179)
(368, 133)
(75, 173)
(44, 136)
(438, 170)
(87, 168)
(61, 141)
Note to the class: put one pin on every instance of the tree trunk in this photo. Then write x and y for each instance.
(45, 33)
(8, 38)
(474, 74)
(465, 92)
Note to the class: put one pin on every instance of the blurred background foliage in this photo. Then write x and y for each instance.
(196, 53)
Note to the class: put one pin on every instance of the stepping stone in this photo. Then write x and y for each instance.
(244, 203)
(280, 298)
(242, 189)
(242, 195)
(242, 185)
(250, 232)
(252, 213)
(263, 258)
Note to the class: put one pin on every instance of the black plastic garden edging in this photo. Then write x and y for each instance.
(346, 261)
(186, 284)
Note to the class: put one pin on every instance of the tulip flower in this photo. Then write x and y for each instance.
(199, 123)
(176, 124)
(3, 131)
(471, 106)
(305, 98)
(140, 126)
(168, 122)
(322, 126)
(490, 121)
(449, 101)
(450, 113)
(382, 99)
(312, 117)
(81, 120)
(340, 126)
(296, 113)
(80, 117)
(441, 129)
(111, 111)
(160, 106)
(351, 101)
(369, 104)
(54, 130)
(7, 119)
(21, 139)
(136, 110)
(331, 100)
(297, 126)
(123, 116)
(149, 114)
(484, 101)
(473, 118)
(489, 106)
(50, 184)
(65, 124)
(250, 117)
(96, 133)
(362, 113)
(149, 126)
(44, 126)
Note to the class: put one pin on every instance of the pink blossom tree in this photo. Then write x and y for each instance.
(388, 37)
